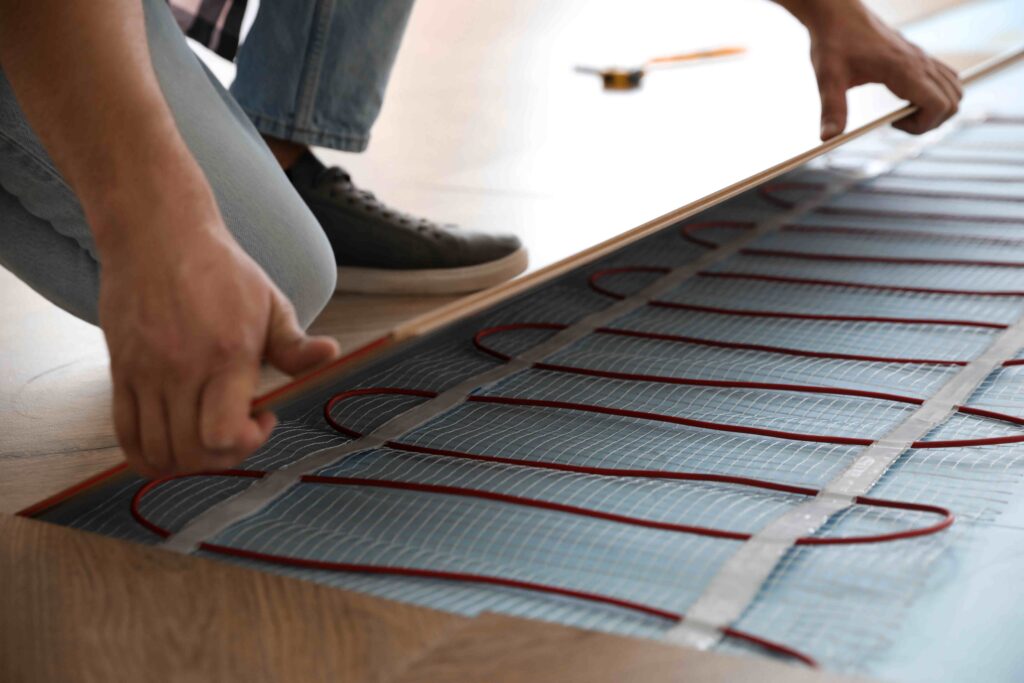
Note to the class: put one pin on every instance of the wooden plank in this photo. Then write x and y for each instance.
(79, 607)
(974, 66)
(27, 480)
(498, 649)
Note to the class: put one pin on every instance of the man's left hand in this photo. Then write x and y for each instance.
(850, 47)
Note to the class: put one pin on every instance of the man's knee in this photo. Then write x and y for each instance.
(316, 287)
(302, 265)
(272, 223)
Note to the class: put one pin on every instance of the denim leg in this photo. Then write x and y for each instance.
(57, 266)
(44, 238)
(314, 71)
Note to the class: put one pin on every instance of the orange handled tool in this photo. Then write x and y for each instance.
(616, 78)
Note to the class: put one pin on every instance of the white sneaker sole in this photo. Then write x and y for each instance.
(431, 281)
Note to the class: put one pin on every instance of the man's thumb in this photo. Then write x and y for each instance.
(289, 348)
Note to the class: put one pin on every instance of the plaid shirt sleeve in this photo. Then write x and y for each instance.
(217, 24)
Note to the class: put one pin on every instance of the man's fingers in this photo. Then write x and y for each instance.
(932, 111)
(154, 434)
(923, 90)
(267, 421)
(950, 90)
(225, 422)
(126, 427)
(183, 406)
(258, 431)
(952, 77)
(951, 83)
(832, 86)
(183, 429)
(126, 419)
(191, 450)
(289, 348)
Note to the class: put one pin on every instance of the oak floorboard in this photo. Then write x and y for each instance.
(75, 606)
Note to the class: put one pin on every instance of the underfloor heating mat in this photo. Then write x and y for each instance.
(593, 452)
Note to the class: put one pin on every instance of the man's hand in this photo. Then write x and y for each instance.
(188, 317)
(850, 47)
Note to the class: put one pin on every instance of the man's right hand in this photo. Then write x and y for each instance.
(188, 317)
(187, 314)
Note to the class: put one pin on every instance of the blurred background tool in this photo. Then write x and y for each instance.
(616, 78)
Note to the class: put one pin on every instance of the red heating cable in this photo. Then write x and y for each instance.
(944, 522)
(936, 194)
(468, 577)
(821, 282)
(945, 515)
(1000, 119)
(479, 337)
(595, 284)
(964, 178)
(689, 233)
(796, 436)
(980, 160)
(768, 191)
(884, 232)
(597, 276)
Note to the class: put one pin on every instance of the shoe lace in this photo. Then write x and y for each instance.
(340, 183)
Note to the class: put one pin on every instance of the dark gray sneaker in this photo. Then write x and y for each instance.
(382, 251)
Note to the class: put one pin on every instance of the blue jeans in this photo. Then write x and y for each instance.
(44, 238)
(314, 71)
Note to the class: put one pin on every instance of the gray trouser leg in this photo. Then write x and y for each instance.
(44, 238)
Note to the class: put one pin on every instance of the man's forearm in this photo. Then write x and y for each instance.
(82, 74)
(814, 13)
